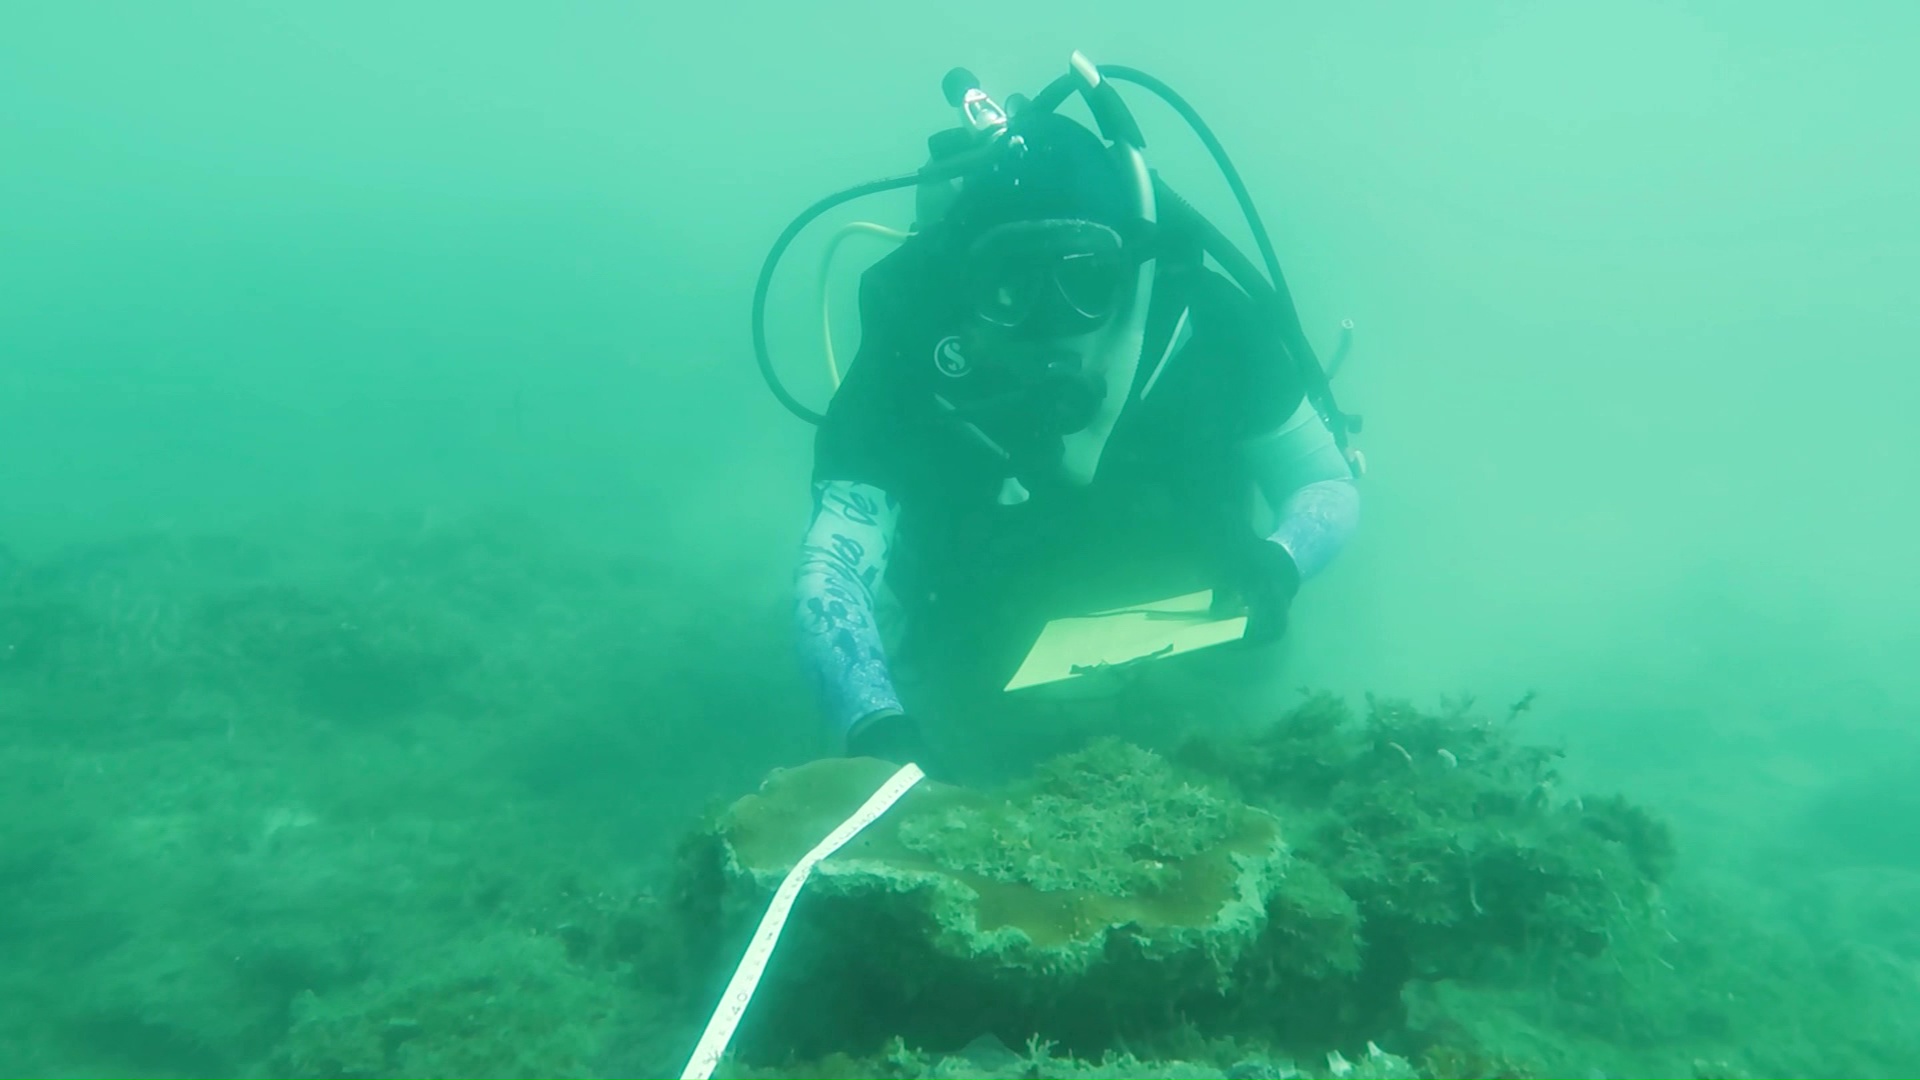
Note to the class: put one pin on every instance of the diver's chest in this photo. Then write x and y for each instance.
(1140, 492)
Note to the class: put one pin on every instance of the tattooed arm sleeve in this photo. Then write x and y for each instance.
(842, 562)
(1304, 478)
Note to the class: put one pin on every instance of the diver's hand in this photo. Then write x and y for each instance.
(1271, 582)
(889, 735)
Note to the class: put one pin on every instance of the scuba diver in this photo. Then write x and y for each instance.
(1057, 407)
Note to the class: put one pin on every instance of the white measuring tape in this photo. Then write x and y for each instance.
(746, 977)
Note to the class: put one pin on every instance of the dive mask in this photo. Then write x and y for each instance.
(1049, 278)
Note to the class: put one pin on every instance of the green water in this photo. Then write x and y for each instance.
(399, 536)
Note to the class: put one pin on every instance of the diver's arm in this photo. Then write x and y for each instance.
(1303, 476)
(842, 562)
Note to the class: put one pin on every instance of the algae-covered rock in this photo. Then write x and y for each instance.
(1451, 836)
(1108, 894)
(1112, 820)
(1375, 1064)
(988, 1059)
(509, 1005)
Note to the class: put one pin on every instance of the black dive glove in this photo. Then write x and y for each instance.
(1266, 581)
(889, 735)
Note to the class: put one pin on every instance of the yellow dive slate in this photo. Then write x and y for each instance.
(1086, 644)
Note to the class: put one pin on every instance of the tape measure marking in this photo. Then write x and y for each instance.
(746, 976)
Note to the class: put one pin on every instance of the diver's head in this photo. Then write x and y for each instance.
(1039, 233)
(1041, 246)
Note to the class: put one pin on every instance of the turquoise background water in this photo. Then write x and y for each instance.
(380, 443)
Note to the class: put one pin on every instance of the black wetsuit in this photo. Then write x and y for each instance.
(1166, 507)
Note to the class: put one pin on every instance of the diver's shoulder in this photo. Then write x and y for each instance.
(1212, 293)
(913, 266)
(1220, 314)
(1235, 346)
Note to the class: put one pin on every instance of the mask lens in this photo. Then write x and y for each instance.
(1090, 283)
(1047, 277)
(1005, 293)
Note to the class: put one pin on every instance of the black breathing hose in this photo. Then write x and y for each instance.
(773, 261)
(1279, 297)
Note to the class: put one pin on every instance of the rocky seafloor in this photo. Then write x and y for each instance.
(400, 800)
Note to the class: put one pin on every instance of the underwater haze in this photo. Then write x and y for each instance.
(397, 538)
